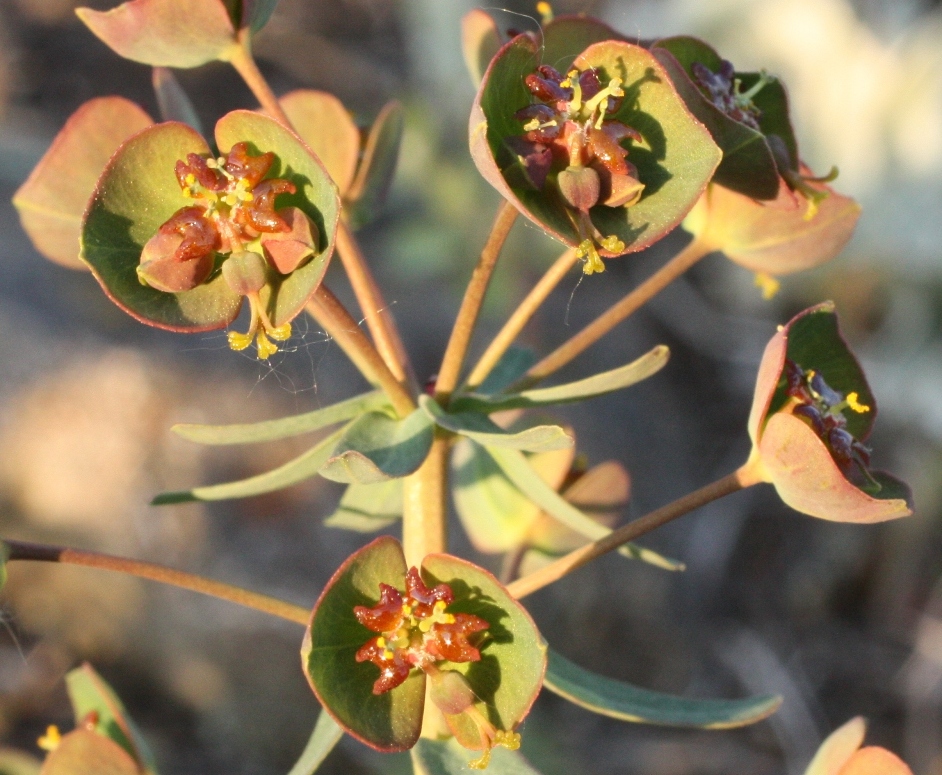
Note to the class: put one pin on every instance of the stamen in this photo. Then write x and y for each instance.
(854, 404)
(593, 262)
(767, 284)
(50, 741)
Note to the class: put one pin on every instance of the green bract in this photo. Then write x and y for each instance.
(672, 153)
(138, 192)
(504, 681)
(749, 159)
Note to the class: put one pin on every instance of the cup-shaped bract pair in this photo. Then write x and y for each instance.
(384, 637)
(841, 754)
(597, 149)
(811, 416)
(177, 237)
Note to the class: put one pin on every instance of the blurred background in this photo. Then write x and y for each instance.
(840, 620)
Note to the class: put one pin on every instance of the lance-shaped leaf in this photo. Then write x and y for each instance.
(446, 757)
(518, 471)
(368, 191)
(283, 427)
(367, 508)
(138, 192)
(675, 156)
(90, 694)
(621, 700)
(538, 438)
(297, 470)
(325, 736)
(776, 237)
(811, 414)
(748, 164)
(841, 754)
(256, 13)
(377, 447)
(325, 125)
(496, 515)
(85, 752)
(504, 679)
(512, 365)
(53, 199)
(172, 100)
(168, 33)
(597, 385)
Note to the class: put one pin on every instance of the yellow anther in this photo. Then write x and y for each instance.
(190, 179)
(612, 244)
(767, 284)
(593, 262)
(387, 654)
(188, 192)
(239, 341)
(601, 100)
(481, 762)
(532, 125)
(50, 741)
(425, 625)
(545, 10)
(508, 740)
(407, 610)
(264, 346)
(439, 605)
(853, 401)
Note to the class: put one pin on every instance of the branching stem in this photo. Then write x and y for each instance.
(244, 63)
(339, 324)
(615, 314)
(745, 476)
(460, 338)
(21, 550)
(520, 317)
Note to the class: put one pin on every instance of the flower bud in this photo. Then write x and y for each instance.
(245, 272)
(580, 187)
(450, 692)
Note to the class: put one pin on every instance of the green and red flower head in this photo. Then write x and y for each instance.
(601, 153)
(381, 635)
(179, 237)
(811, 417)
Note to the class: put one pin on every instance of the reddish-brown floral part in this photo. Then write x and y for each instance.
(416, 631)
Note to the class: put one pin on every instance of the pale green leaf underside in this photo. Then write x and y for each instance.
(326, 735)
(366, 508)
(631, 703)
(297, 470)
(283, 427)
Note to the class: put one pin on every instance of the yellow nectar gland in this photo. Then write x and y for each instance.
(50, 741)
(767, 284)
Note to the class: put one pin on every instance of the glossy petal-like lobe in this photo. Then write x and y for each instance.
(53, 199)
(169, 33)
(776, 237)
(675, 158)
(325, 126)
(806, 477)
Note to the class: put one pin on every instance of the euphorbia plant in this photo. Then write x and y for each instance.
(606, 145)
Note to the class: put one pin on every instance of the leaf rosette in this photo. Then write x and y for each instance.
(178, 238)
(602, 154)
(384, 637)
(811, 415)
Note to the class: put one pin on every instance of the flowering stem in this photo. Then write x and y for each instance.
(375, 310)
(521, 316)
(615, 314)
(457, 347)
(745, 476)
(425, 510)
(338, 323)
(244, 63)
(21, 550)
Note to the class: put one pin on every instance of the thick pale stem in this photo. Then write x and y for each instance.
(746, 476)
(244, 63)
(375, 310)
(21, 550)
(425, 504)
(615, 314)
(338, 323)
(521, 316)
(457, 347)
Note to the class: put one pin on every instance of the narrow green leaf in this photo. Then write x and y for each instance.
(518, 471)
(297, 470)
(256, 13)
(512, 365)
(378, 165)
(540, 438)
(446, 757)
(172, 99)
(590, 387)
(89, 693)
(620, 700)
(377, 447)
(366, 508)
(326, 735)
(283, 427)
